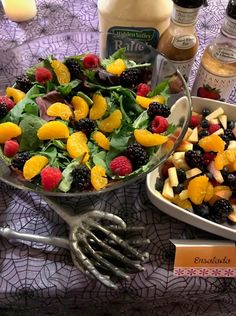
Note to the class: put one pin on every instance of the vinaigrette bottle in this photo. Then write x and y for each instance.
(216, 75)
(179, 42)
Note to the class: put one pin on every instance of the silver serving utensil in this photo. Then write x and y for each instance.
(91, 253)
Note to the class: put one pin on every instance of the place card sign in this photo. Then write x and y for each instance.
(205, 258)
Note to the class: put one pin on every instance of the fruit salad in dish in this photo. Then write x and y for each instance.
(83, 123)
(201, 175)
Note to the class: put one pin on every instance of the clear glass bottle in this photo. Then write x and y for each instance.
(179, 42)
(140, 20)
(216, 75)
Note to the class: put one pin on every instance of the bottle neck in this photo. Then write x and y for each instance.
(229, 27)
(184, 16)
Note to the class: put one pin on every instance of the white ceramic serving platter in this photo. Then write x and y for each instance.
(226, 230)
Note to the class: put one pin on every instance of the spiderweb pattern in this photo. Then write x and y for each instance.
(41, 279)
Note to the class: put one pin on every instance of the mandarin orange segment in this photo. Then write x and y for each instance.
(9, 130)
(197, 189)
(116, 67)
(98, 108)
(186, 204)
(16, 94)
(101, 140)
(61, 71)
(144, 102)
(212, 143)
(77, 146)
(60, 110)
(53, 130)
(98, 177)
(81, 108)
(227, 157)
(148, 139)
(33, 166)
(112, 122)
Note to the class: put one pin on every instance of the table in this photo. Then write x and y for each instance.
(41, 279)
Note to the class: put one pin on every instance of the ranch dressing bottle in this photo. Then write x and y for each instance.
(140, 20)
(216, 77)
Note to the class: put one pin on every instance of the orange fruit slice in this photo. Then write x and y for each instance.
(60, 110)
(77, 146)
(144, 102)
(61, 71)
(112, 122)
(53, 130)
(212, 143)
(148, 139)
(98, 177)
(81, 108)
(16, 94)
(227, 157)
(197, 189)
(33, 166)
(8, 131)
(116, 67)
(101, 140)
(98, 108)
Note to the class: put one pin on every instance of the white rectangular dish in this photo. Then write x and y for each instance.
(224, 230)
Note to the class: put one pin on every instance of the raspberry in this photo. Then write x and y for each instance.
(91, 61)
(121, 166)
(50, 178)
(130, 77)
(42, 75)
(10, 148)
(159, 124)
(137, 155)
(23, 83)
(213, 128)
(208, 157)
(3, 110)
(143, 89)
(9, 103)
(156, 108)
(194, 121)
(86, 126)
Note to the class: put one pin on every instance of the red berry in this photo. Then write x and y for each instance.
(194, 121)
(214, 182)
(143, 89)
(50, 178)
(91, 61)
(164, 169)
(42, 75)
(9, 103)
(11, 147)
(121, 166)
(213, 128)
(208, 157)
(159, 124)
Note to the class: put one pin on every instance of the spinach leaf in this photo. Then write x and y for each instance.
(120, 53)
(120, 138)
(142, 121)
(30, 125)
(170, 130)
(99, 159)
(51, 154)
(161, 89)
(36, 91)
(67, 180)
(31, 109)
(65, 89)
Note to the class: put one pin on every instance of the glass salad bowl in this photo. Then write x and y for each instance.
(125, 78)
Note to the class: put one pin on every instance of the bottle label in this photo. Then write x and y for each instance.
(132, 38)
(208, 85)
(184, 41)
(224, 54)
(229, 26)
(185, 15)
(184, 67)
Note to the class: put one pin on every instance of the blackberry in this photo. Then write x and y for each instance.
(205, 123)
(156, 108)
(81, 178)
(3, 110)
(229, 134)
(220, 211)
(23, 83)
(198, 148)
(159, 184)
(194, 159)
(85, 125)
(20, 159)
(230, 124)
(202, 210)
(205, 112)
(203, 133)
(181, 175)
(137, 155)
(130, 78)
(74, 68)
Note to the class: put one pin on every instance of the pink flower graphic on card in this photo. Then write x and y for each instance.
(191, 271)
(203, 272)
(229, 273)
(216, 272)
(179, 271)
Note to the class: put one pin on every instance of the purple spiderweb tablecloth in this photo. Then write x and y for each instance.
(41, 279)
